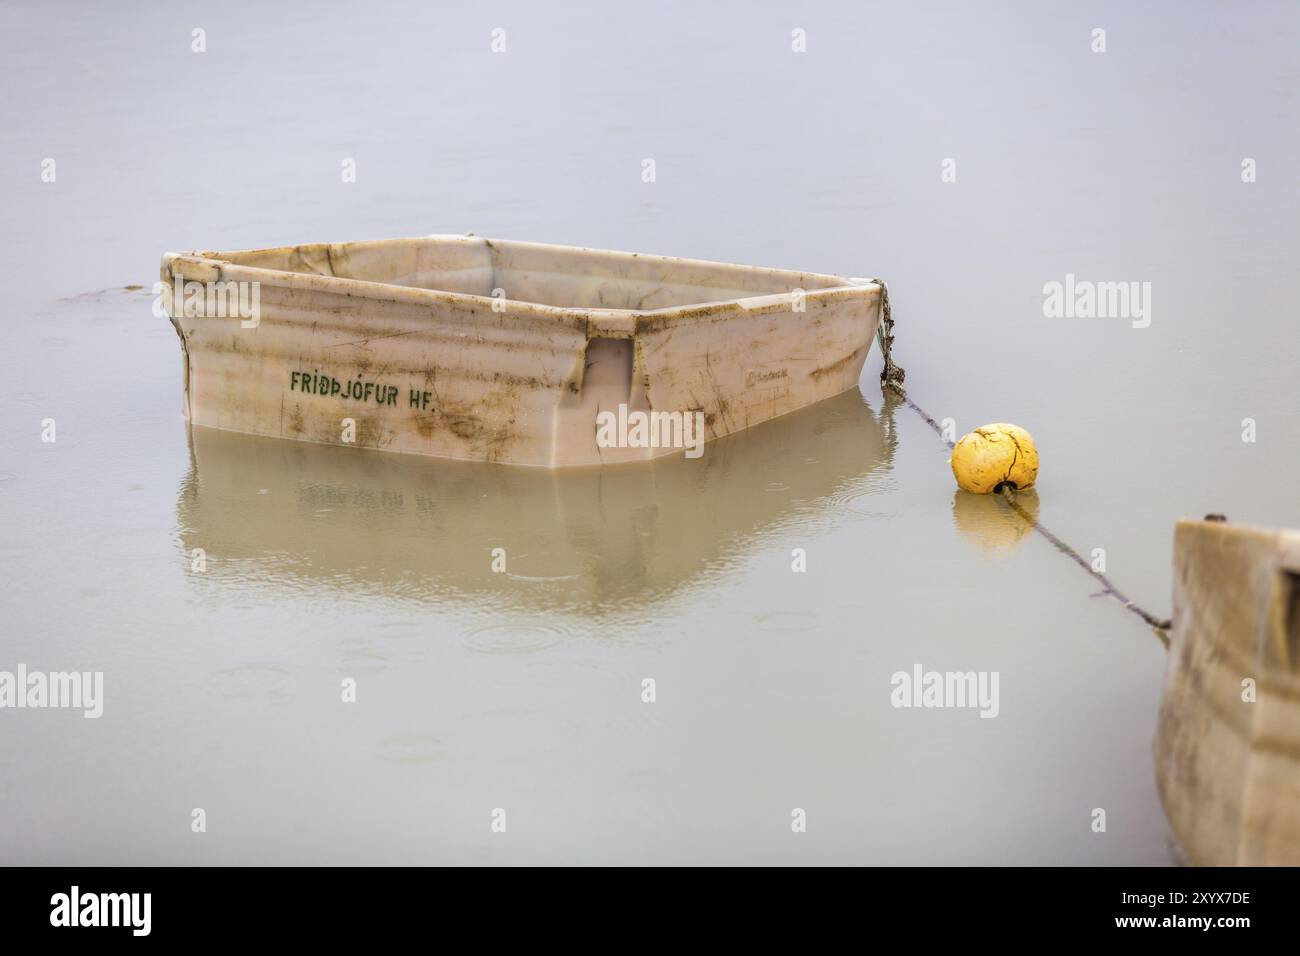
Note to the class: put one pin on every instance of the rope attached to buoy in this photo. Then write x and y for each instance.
(1008, 495)
(891, 378)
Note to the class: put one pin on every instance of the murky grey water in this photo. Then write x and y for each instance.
(522, 690)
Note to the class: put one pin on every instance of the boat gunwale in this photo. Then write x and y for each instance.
(215, 266)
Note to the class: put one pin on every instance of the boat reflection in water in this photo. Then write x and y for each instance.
(289, 514)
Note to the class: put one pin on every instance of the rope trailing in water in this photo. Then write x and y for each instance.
(1009, 496)
(891, 378)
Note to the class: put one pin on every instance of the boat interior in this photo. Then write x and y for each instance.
(563, 276)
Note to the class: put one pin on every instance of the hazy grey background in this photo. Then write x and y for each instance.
(523, 691)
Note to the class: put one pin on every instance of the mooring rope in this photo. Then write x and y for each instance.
(1009, 496)
(892, 376)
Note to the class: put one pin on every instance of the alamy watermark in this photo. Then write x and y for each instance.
(82, 690)
(76, 908)
(215, 300)
(639, 429)
(1083, 299)
(946, 689)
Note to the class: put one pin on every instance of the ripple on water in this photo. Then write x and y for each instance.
(541, 578)
(411, 748)
(541, 567)
(513, 638)
(355, 656)
(786, 622)
(253, 681)
(861, 501)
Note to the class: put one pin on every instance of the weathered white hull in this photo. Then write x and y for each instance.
(474, 349)
(1227, 749)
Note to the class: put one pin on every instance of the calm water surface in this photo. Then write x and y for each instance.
(522, 690)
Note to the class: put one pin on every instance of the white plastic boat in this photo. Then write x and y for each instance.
(478, 349)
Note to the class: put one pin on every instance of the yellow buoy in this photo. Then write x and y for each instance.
(995, 455)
